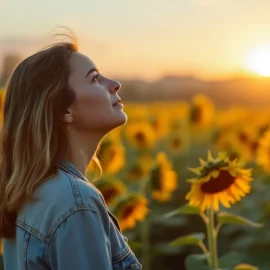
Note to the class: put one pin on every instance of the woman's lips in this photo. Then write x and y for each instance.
(118, 105)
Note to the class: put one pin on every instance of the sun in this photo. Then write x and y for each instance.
(259, 61)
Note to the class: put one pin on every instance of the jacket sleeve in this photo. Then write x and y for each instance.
(80, 242)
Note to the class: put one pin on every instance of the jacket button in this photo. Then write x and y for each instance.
(134, 266)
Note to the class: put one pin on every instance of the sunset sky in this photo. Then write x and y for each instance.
(210, 39)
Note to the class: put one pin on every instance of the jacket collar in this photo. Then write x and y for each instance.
(71, 168)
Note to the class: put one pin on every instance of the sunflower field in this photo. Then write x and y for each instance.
(190, 184)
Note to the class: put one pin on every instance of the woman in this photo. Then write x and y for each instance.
(57, 109)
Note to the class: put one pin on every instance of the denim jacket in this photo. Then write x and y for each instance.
(68, 228)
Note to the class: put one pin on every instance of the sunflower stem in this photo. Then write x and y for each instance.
(205, 251)
(210, 248)
(212, 238)
(218, 228)
(146, 244)
(145, 232)
(204, 217)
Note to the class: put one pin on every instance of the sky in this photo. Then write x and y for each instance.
(146, 39)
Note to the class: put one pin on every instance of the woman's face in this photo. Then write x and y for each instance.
(92, 109)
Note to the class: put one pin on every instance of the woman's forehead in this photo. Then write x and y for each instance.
(80, 63)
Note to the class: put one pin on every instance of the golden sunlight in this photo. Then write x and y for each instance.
(259, 61)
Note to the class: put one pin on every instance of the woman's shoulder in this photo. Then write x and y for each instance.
(56, 199)
(70, 193)
(84, 192)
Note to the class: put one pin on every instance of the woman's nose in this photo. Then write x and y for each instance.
(116, 86)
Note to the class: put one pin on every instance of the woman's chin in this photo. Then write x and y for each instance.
(120, 119)
(123, 119)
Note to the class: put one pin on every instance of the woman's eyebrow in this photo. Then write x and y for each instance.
(90, 71)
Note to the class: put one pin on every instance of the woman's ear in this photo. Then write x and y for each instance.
(68, 117)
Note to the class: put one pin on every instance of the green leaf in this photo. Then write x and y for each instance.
(185, 210)
(192, 239)
(244, 266)
(228, 218)
(196, 261)
(164, 248)
(170, 222)
(230, 259)
(135, 245)
(259, 258)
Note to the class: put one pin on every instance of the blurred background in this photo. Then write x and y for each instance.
(157, 50)
(192, 73)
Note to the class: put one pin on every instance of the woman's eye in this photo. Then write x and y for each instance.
(95, 78)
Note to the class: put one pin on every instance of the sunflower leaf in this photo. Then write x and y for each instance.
(191, 239)
(185, 210)
(135, 245)
(163, 248)
(244, 266)
(230, 259)
(228, 218)
(196, 261)
(176, 221)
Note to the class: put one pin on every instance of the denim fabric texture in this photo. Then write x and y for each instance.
(68, 228)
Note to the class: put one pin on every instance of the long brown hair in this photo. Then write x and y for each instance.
(33, 137)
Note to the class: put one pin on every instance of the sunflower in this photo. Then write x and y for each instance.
(112, 155)
(178, 110)
(248, 137)
(227, 140)
(137, 112)
(201, 110)
(263, 152)
(115, 134)
(160, 124)
(239, 141)
(263, 128)
(141, 135)
(110, 188)
(218, 181)
(177, 142)
(245, 266)
(130, 210)
(163, 179)
(177, 125)
(140, 168)
(230, 117)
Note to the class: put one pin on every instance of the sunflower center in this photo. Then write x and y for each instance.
(109, 194)
(140, 137)
(176, 143)
(234, 155)
(156, 178)
(196, 114)
(243, 137)
(215, 185)
(254, 146)
(155, 124)
(263, 129)
(128, 211)
(136, 171)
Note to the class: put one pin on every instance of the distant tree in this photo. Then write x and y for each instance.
(9, 62)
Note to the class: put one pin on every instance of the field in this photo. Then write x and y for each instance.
(189, 184)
